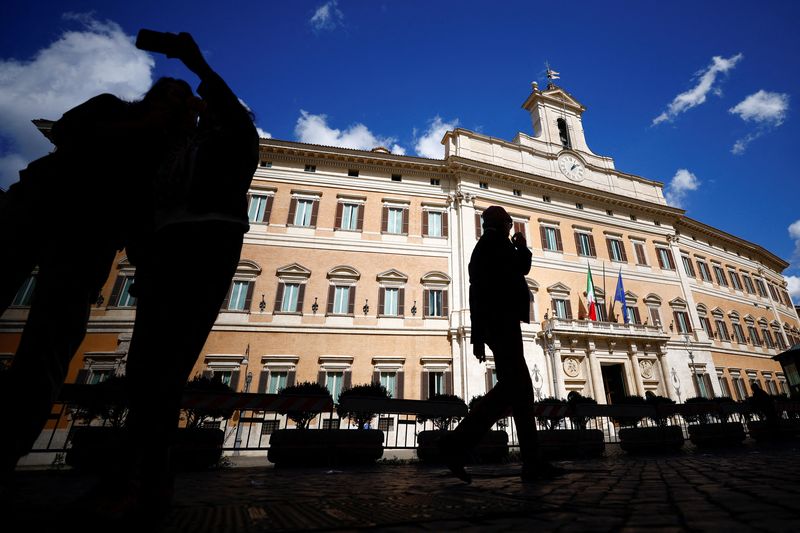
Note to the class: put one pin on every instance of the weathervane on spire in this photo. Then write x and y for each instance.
(551, 74)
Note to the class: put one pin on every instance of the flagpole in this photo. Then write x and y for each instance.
(604, 287)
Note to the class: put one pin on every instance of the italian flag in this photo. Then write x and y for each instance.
(590, 296)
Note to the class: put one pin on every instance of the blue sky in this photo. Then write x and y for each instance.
(698, 95)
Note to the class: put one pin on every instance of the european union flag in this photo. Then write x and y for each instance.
(619, 296)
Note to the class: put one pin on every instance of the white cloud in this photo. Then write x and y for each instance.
(768, 110)
(793, 286)
(430, 143)
(679, 186)
(80, 64)
(794, 233)
(327, 17)
(263, 134)
(314, 129)
(697, 95)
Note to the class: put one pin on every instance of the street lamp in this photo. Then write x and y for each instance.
(687, 339)
(248, 377)
(550, 344)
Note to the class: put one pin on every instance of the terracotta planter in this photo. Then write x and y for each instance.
(571, 443)
(98, 448)
(323, 447)
(493, 448)
(716, 435)
(652, 439)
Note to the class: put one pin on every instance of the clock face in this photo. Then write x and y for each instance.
(571, 167)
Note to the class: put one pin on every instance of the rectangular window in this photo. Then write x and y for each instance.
(735, 281)
(350, 216)
(609, 212)
(389, 380)
(579, 206)
(748, 284)
(754, 337)
(767, 338)
(517, 192)
(720, 275)
(773, 292)
(352, 173)
(265, 164)
(616, 251)
(331, 423)
(546, 199)
(687, 266)
(334, 382)
(633, 314)
(238, 296)
(655, 316)
(310, 168)
(738, 386)
(98, 376)
(762, 290)
(435, 181)
(435, 303)
(394, 223)
(290, 294)
(277, 381)
(483, 185)
(125, 299)
(435, 383)
(302, 214)
(738, 333)
(722, 330)
(25, 293)
(551, 239)
(397, 177)
(584, 242)
(600, 309)
(706, 326)
(779, 340)
(771, 387)
(724, 386)
(562, 308)
(665, 260)
(633, 217)
(704, 272)
(268, 427)
(391, 302)
(434, 223)
(341, 300)
(258, 211)
(641, 258)
(386, 423)
(682, 322)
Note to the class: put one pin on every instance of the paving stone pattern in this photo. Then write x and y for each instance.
(754, 488)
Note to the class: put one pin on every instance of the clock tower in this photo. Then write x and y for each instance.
(556, 118)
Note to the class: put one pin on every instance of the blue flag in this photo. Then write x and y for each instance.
(619, 296)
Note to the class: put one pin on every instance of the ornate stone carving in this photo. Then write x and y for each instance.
(572, 367)
(646, 367)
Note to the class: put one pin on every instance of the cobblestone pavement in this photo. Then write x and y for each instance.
(753, 488)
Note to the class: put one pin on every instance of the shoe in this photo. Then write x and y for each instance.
(543, 471)
(453, 460)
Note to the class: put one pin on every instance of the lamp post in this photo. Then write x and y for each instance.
(551, 350)
(248, 377)
(687, 339)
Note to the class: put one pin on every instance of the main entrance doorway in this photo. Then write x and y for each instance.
(614, 382)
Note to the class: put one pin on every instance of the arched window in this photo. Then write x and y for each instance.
(563, 133)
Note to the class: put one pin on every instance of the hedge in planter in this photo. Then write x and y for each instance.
(771, 426)
(709, 426)
(197, 446)
(648, 439)
(568, 443)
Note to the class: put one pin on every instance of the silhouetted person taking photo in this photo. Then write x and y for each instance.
(499, 300)
(69, 214)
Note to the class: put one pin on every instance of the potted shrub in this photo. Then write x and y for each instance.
(428, 440)
(557, 442)
(771, 424)
(709, 424)
(659, 437)
(198, 444)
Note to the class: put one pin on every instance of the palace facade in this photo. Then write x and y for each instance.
(355, 269)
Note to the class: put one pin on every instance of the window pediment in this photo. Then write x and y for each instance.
(248, 268)
(435, 278)
(294, 271)
(652, 299)
(532, 284)
(559, 290)
(678, 303)
(392, 275)
(344, 273)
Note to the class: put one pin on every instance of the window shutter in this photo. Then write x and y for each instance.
(339, 209)
(314, 211)
(559, 244)
(660, 260)
(656, 316)
(519, 227)
(351, 304)
(622, 250)
(578, 243)
(543, 235)
(401, 301)
(267, 209)
(639, 249)
(448, 382)
(227, 299)
(348, 379)
(569, 308)
(278, 297)
(400, 381)
(477, 226)
(405, 221)
(235, 380)
(592, 250)
(300, 293)
(114, 300)
(445, 215)
(385, 219)
(488, 379)
(263, 380)
(670, 259)
(426, 311)
(424, 391)
(709, 388)
(425, 222)
(381, 299)
(331, 296)
(376, 377)
(445, 306)
(249, 298)
(208, 374)
(675, 318)
(82, 376)
(610, 249)
(321, 377)
(688, 322)
(290, 377)
(292, 210)
(552, 308)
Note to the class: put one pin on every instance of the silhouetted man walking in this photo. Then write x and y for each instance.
(499, 300)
